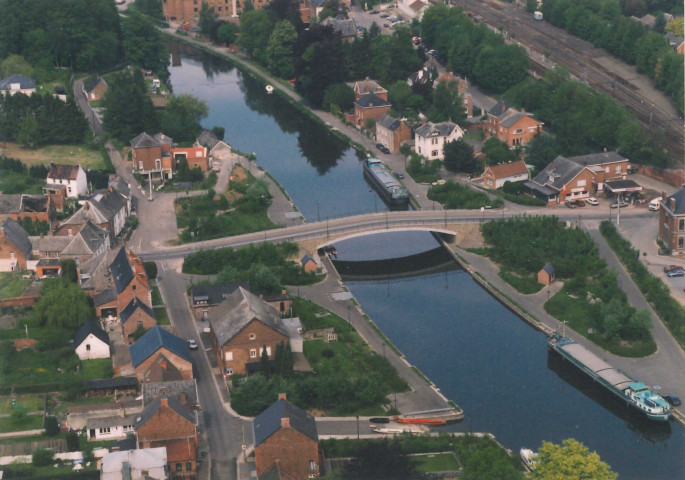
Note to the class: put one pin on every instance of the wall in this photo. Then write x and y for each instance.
(183, 366)
(98, 349)
(240, 346)
(27, 301)
(139, 315)
(293, 450)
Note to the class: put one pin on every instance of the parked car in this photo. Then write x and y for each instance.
(621, 204)
(192, 344)
(580, 203)
(384, 15)
(592, 201)
(399, 175)
(374, 12)
(668, 268)
(571, 204)
(382, 148)
(676, 272)
(672, 399)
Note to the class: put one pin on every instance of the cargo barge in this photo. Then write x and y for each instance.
(385, 183)
(634, 393)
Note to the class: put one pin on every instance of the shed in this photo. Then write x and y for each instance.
(547, 274)
(308, 264)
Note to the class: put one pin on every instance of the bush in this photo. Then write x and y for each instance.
(150, 270)
(51, 426)
(42, 457)
(454, 195)
(72, 442)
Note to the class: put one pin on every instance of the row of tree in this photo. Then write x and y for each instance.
(603, 24)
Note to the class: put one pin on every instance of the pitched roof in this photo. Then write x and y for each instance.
(109, 383)
(88, 328)
(110, 202)
(24, 82)
(89, 211)
(87, 241)
(443, 129)
(418, 4)
(598, 158)
(155, 405)
(188, 388)
(391, 123)
(153, 340)
(104, 297)
(371, 100)
(558, 173)
(346, 27)
(510, 169)
(307, 257)
(679, 198)
(144, 141)
(120, 185)
(367, 86)
(163, 139)
(15, 234)
(207, 138)
(10, 203)
(137, 460)
(549, 268)
(122, 273)
(50, 243)
(63, 172)
(215, 294)
(498, 109)
(239, 309)
(269, 421)
(131, 308)
(511, 118)
(90, 86)
(21, 202)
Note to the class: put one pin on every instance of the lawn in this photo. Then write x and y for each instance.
(65, 154)
(527, 284)
(26, 422)
(157, 297)
(14, 287)
(162, 316)
(96, 369)
(31, 403)
(437, 462)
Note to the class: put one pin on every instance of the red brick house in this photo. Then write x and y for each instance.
(462, 86)
(392, 132)
(511, 126)
(95, 89)
(308, 264)
(672, 222)
(370, 106)
(240, 328)
(15, 247)
(136, 315)
(166, 422)
(151, 155)
(286, 438)
(496, 176)
(205, 298)
(130, 280)
(197, 157)
(160, 356)
(366, 86)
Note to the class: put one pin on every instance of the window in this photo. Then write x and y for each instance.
(105, 430)
(253, 353)
(140, 165)
(189, 465)
(229, 370)
(179, 466)
(581, 183)
(419, 149)
(681, 224)
(229, 356)
(606, 169)
(434, 153)
(88, 347)
(252, 336)
(520, 130)
(69, 188)
(681, 242)
(158, 164)
(312, 465)
(205, 313)
(618, 168)
(140, 324)
(133, 288)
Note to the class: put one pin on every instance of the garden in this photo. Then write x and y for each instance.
(453, 195)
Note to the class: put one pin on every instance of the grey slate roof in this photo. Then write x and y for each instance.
(151, 390)
(679, 198)
(512, 117)
(110, 202)
(144, 141)
(442, 129)
(558, 173)
(50, 243)
(122, 273)
(269, 421)
(391, 123)
(549, 268)
(345, 27)
(307, 257)
(94, 83)
(24, 82)
(88, 328)
(88, 240)
(371, 100)
(207, 139)
(17, 203)
(239, 309)
(10, 203)
(154, 406)
(215, 294)
(498, 109)
(120, 185)
(89, 211)
(104, 297)
(598, 158)
(131, 308)
(153, 340)
(17, 236)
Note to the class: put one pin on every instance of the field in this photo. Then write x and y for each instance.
(437, 462)
(14, 287)
(66, 154)
(31, 403)
(97, 368)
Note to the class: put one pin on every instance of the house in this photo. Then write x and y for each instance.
(423, 77)
(496, 176)
(280, 301)
(547, 274)
(166, 422)
(95, 89)
(108, 210)
(39, 208)
(160, 356)
(413, 8)
(308, 264)
(430, 138)
(366, 86)
(205, 298)
(369, 106)
(285, 437)
(197, 157)
(151, 155)
(672, 222)
(186, 9)
(91, 341)
(392, 132)
(184, 390)
(15, 247)
(136, 315)
(206, 138)
(129, 279)
(88, 242)
(141, 464)
(73, 177)
(344, 27)
(462, 87)
(513, 127)
(116, 427)
(16, 83)
(79, 416)
(60, 93)
(240, 328)
(48, 268)
(577, 177)
(675, 42)
(105, 303)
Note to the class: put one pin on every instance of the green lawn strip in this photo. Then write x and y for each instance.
(26, 422)
(15, 287)
(437, 462)
(55, 473)
(652, 287)
(15, 183)
(157, 297)
(162, 316)
(453, 195)
(26, 403)
(96, 369)
(526, 285)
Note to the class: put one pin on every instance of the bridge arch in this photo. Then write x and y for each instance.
(362, 233)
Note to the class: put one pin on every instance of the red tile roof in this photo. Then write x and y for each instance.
(509, 169)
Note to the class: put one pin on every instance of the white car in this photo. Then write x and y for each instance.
(192, 344)
(592, 201)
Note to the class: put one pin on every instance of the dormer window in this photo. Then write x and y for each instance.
(252, 336)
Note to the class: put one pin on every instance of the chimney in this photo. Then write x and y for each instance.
(282, 396)
(523, 110)
(285, 422)
(261, 297)
(283, 292)
(672, 204)
(164, 402)
(605, 149)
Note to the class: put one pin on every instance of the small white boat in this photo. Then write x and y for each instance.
(528, 457)
(269, 89)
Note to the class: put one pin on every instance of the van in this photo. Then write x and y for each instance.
(655, 204)
(537, 16)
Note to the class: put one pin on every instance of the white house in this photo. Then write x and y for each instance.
(137, 464)
(496, 176)
(413, 8)
(16, 83)
(91, 342)
(430, 139)
(71, 176)
(111, 428)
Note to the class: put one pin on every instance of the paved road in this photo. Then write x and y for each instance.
(80, 97)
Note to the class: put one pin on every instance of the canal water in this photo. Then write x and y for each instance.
(478, 353)
(321, 173)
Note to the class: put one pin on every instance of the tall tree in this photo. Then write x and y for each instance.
(280, 50)
(62, 305)
(128, 109)
(256, 28)
(381, 460)
(144, 44)
(570, 461)
(207, 21)
(182, 115)
(459, 157)
(447, 103)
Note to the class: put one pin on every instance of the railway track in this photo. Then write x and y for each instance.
(570, 52)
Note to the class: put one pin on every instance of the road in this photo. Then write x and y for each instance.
(82, 102)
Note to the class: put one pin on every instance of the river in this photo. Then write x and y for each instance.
(479, 353)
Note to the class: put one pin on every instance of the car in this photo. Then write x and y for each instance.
(192, 344)
(592, 201)
(374, 12)
(672, 399)
(571, 204)
(676, 272)
(386, 25)
(431, 52)
(384, 15)
(668, 268)
(399, 175)
(580, 203)
(382, 148)
(620, 204)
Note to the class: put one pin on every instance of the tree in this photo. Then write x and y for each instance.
(531, 5)
(63, 305)
(280, 49)
(255, 27)
(459, 157)
(340, 95)
(263, 279)
(381, 460)
(227, 33)
(28, 131)
(151, 8)
(150, 270)
(128, 108)
(570, 461)
(42, 457)
(69, 272)
(207, 21)
(15, 64)
(541, 150)
(399, 94)
(182, 115)
(448, 103)
(51, 426)
(72, 442)
(264, 367)
(144, 44)
(498, 152)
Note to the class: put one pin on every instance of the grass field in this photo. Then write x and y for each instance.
(97, 368)
(157, 297)
(32, 403)
(13, 288)
(28, 422)
(65, 154)
(162, 316)
(437, 462)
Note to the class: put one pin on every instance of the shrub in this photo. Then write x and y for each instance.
(150, 270)
(42, 457)
(51, 426)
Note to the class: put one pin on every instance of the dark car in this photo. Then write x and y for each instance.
(382, 148)
(571, 204)
(374, 12)
(668, 268)
(676, 272)
(672, 399)
(384, 15)
(580, 203)
(399, 175)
